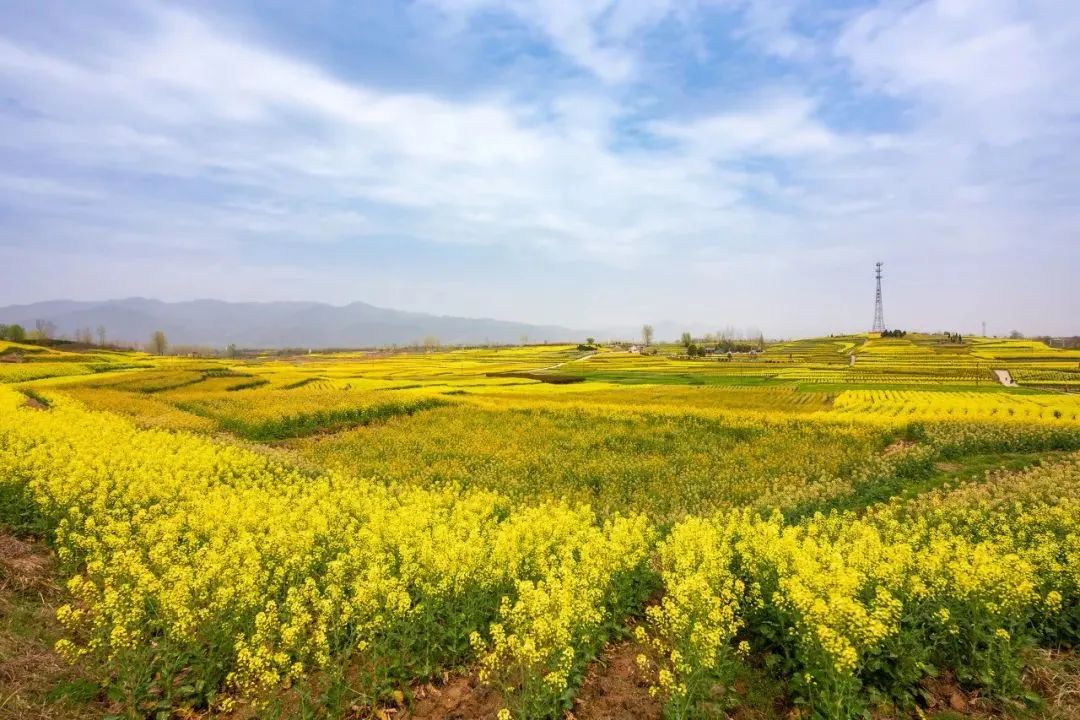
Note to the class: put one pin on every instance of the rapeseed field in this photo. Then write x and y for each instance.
(329, 535)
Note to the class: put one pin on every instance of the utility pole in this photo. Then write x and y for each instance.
(984, 328)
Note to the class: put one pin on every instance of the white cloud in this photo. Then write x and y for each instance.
(195, 139)
(193, 103)
(997, 71)
(779, 125)
(769, 24)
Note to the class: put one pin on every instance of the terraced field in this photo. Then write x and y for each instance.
(530, 532)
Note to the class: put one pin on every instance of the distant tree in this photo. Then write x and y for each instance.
(760, 341)
(686, 340)
(158, 343)
(590, 341)
(16, 333)
(1016, 335)
(431, 342)
(101, 336)
(44, 329)
(231, 351)
(646, 335)
(3, 331)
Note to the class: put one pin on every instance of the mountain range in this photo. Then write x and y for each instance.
(277, 324)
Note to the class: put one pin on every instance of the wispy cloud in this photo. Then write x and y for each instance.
(600, 36)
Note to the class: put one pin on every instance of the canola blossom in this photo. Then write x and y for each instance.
(962, 578)
(187, 553)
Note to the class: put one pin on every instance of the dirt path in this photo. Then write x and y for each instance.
(1005, 378)
(565, 362)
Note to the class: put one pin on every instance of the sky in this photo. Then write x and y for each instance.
(589, 163)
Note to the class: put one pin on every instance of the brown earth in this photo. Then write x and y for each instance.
(945, 694)
(897, 446)
(33, 402)
(614, 688)
(459, 698)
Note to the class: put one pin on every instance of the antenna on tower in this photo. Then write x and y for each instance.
(879, 313)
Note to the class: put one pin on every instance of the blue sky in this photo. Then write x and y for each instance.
(584, 162)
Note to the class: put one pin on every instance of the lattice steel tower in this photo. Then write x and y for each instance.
(879, 314)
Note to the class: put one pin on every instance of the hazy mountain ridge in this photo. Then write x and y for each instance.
(275, 324)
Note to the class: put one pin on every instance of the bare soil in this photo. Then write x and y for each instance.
(944, 694)
(897, 446)
(614, 688)
(459, 698)
(33, 402)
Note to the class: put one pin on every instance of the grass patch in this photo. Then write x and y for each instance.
(109, 367)
(550, 378)
(257, 382)
(35, 399)
(908, 484)
(302, 383)
(18, 512)
(671, 378)
(176, 384)
(306, 424)
(986, 387)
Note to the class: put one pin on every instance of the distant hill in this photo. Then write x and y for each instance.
(275, 324)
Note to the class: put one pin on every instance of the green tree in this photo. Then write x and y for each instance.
(16, 333)
(158, 343)
(687, 341)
